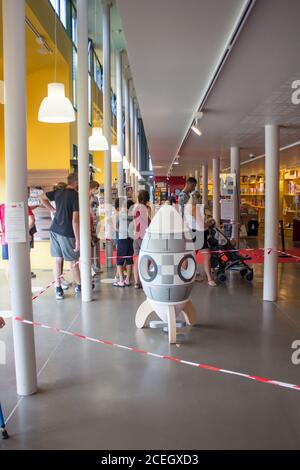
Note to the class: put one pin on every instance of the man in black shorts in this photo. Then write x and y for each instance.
(64, 231)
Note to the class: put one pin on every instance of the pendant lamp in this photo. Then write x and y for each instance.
(97, 141)
(126, 164)
(116, 156)
(56, 108)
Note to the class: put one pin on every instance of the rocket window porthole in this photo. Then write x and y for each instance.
(148, 268)
(187, 268)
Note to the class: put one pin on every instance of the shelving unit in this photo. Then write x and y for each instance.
(252, 191)
(290, 189)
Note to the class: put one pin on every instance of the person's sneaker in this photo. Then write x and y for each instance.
(59, 293)
(65, 284)
(77, 289)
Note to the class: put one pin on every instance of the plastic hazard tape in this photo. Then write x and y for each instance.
(263, 251)
(159, 356)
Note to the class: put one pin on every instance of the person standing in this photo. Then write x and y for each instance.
(64, 231)
(124, 243)
(185, 194)
(141, 221)
(129, 193)
(198, 224)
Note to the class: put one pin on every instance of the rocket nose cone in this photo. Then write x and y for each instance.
(166, 221)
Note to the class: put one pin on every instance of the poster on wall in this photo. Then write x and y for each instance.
(227, 209)
(15, 226)
(227, 184)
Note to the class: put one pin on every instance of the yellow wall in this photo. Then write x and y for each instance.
(2, 163)
(99, 163)
(48, 145)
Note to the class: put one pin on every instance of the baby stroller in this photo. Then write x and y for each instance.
(226, 259)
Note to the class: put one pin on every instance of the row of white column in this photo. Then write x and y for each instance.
(272, 146)
(16, 181)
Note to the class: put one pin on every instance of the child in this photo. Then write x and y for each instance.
(124, 245)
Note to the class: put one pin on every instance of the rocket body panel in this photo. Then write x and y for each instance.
(167, 263)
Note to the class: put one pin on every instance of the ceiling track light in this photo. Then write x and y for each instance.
(195, 128)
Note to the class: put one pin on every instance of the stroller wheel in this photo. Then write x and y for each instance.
(249, 276)
(221, 277)
(243, 272)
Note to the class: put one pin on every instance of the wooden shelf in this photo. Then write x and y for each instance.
(257, 207)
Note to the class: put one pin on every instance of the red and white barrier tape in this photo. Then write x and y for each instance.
(159, 356)
(233, 250)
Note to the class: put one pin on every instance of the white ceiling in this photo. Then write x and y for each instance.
(254, 87)
(289, 159)
(173, 48)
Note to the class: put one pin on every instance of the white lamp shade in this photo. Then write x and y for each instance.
(116, 157)
(126, 164)
(56, 108)
(2, 97)
(97, 141)
(132, 169)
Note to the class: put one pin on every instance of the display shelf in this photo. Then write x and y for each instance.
(290, 192)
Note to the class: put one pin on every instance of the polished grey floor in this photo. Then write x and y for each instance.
(97, 397)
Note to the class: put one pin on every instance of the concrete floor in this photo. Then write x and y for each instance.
(97, 397)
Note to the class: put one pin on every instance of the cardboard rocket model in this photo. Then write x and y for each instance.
(167, 268)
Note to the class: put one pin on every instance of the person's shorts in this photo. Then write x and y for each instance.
(137, 243)
(5, 252)
(63, 247)
(125, 252)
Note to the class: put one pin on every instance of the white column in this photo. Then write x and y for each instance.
(136, 156)
(138, 141)
(16, 189)
(197, 178)
(107, 118)
(132, 149)
(204, 185)
(120, 138)
(216, 190)
(127, 127)
(271, 212)
(83, 151)
(235, 168)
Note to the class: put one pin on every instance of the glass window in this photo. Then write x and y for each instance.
(187, 268)
(74, 26)
(63, 12)
(148, 268)
(74, 78)
(90, 100)
(55, 4)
